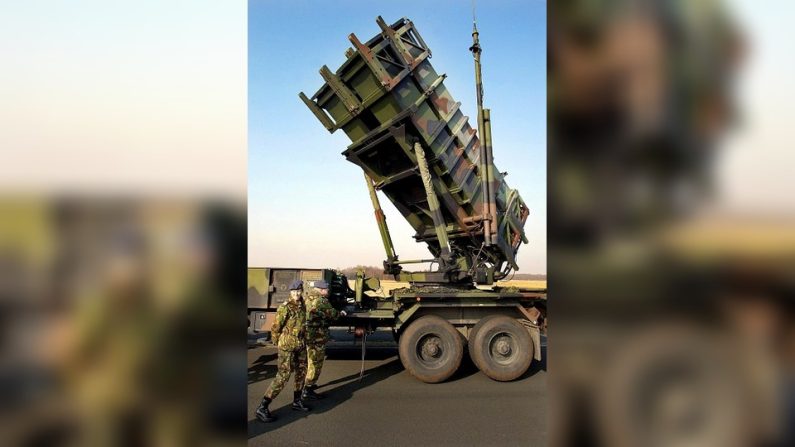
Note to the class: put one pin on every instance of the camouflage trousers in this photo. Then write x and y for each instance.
(289, 361)
(315, 354)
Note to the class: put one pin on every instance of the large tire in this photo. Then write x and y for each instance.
(501, 348)
(431, 349)
(673, 385)
(474, 332)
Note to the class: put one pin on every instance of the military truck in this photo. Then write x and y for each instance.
(416, 147)
(268, 288)
(443, 321)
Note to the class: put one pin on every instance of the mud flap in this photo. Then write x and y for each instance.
(535, 334)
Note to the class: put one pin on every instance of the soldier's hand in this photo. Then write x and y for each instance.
(343, 313)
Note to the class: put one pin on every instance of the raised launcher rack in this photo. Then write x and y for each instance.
(393, 105)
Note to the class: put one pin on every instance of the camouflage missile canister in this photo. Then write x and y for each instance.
(390, 101)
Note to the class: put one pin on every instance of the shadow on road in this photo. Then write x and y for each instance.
(260, 370)
(536, 366)
(333, 398)
(355, 352)
(466, 369)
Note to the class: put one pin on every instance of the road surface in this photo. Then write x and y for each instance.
(388, 407)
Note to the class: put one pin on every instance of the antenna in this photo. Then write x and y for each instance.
(484, 134)
(476, 50)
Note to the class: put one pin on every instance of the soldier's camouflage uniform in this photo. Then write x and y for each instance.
(320, 314)
(288, 333)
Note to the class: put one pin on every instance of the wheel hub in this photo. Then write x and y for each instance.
(503, 347)
(431, 348)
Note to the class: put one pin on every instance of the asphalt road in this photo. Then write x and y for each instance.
(389, 407)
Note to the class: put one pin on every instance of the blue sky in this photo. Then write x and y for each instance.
(307, 205)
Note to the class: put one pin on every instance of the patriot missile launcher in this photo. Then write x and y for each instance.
(416, 146)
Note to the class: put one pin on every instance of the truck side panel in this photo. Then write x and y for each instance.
(258, 288)
(268, 288)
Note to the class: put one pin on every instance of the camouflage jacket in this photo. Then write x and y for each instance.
(289, 330)
(319, 315)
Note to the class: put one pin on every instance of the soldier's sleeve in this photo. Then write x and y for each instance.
(328, 312)
(313, 309)
(278, 324)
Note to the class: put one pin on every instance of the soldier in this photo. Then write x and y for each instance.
(320, 314)
(288, 333)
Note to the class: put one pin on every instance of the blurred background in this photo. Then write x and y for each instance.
(122, 223)
(671, 223)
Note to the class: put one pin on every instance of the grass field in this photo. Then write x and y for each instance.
(529, 283)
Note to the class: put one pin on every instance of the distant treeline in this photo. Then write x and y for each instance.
(529, 276)
(378, 272)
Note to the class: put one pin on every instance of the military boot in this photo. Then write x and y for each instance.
(263, 414)
(310, 394)
(298, 405)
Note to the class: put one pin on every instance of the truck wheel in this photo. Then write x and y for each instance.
(673, 385)
(501, 348)
(431, 349)
(474, 333)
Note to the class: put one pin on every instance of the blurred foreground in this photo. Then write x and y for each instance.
(121, 322)
(671, 317)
